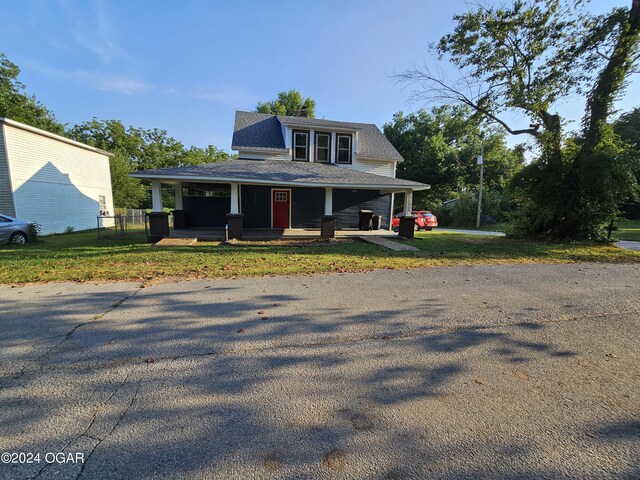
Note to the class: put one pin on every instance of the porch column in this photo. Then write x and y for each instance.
(407, 221)
(328, 200)
(178, 190)
(328, 221)
(235, 203)
(391, 209)
(408, 202)
(156, 196)
(158, 220)
(179, 215)
(234, 217)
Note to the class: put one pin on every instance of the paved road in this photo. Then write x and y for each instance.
(465, 372)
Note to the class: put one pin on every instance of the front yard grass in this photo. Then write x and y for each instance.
(81, 257)
(627, 230)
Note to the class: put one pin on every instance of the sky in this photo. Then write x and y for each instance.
(187, 66)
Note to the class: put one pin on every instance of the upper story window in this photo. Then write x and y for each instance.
(343, 148)
(323, 147)
(300, 145)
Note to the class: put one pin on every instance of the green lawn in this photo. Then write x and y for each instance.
(80, 256)
(489, 227)
(627, 230)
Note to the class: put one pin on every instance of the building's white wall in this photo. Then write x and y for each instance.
(54, 183)
(385, 169)
(6, 194)
(242, 154)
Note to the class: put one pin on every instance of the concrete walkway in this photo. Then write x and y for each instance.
(391, 245)
(218, 234)
(629, 245)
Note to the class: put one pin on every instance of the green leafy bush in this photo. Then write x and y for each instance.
(463, 210)
(35, 231)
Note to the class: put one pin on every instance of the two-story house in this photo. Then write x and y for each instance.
(291, 172)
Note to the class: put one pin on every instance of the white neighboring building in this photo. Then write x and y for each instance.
(52, 180)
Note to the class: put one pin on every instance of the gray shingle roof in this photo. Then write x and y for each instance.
(279, 172)
(261, 130)
(257, 130)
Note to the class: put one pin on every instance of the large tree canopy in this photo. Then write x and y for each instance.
(527, 57)
(288, 103)
(139, 149)
(17, 105)
(441, 148)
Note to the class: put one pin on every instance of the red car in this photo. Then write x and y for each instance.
(425, 220)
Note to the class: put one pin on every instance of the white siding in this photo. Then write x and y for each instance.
(385, 169)
(6, 194)
(287, 137)
(54, 183)
(242, 154)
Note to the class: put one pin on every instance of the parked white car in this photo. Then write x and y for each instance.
(13, 230)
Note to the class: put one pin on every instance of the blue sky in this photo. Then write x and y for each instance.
(188, 66)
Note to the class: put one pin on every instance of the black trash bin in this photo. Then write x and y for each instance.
(377, 221)
(366, 219)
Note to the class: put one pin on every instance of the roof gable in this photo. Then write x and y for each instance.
(263, 131)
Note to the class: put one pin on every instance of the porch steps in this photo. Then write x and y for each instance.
(391, 245)
(176, 242)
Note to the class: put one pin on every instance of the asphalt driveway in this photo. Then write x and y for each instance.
(528, 371)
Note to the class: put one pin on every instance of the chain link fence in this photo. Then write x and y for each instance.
(125, 223)
(122, 225)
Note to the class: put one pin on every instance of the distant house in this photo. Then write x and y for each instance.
(290, 173)
(51, 180)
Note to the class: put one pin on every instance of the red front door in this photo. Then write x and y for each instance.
(281, 202)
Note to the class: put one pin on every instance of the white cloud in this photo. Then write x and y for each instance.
(101, 80)
(94, 32)
(115, 83)
(226, 94)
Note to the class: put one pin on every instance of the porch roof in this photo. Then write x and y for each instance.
(280, 173)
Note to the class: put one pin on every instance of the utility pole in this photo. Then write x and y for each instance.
(481, 163)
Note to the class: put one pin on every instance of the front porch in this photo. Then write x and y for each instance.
(218, 234)
(275, 198)
(266, 212)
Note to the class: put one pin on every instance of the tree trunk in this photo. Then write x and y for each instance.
(611, 80)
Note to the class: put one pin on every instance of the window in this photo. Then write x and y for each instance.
(281, 196)
(4, 220)
(323, 147)
(301, 146)
(343, 148)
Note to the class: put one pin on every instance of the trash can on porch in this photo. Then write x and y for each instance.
(377, 221)
(366, 217)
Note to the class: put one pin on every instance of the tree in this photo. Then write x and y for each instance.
(527, 57)
(139, 149)
(18, 106)
(441, 147)
(112, 136)
(627, 126)
(288, 103)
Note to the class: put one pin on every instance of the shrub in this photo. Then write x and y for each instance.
(35, 231)
(463, 211)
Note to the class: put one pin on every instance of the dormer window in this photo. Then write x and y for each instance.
(323, 147)
(301, 145)
(343, 148)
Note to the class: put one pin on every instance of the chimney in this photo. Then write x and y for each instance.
(303, 111)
